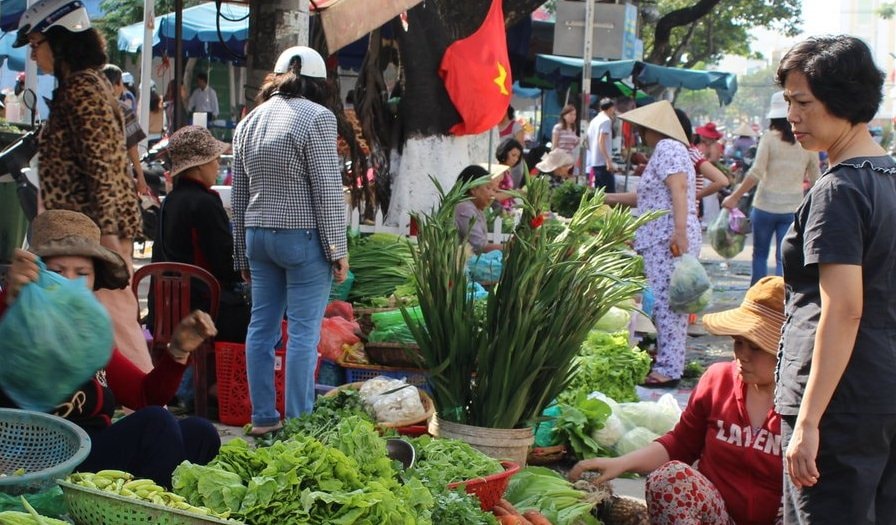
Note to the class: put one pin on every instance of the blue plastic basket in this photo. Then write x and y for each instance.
(360, 373)
(43, 446)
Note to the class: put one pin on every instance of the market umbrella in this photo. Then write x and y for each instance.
(11, 11)
(201, 38)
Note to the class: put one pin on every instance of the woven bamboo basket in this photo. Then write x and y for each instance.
(428, 406)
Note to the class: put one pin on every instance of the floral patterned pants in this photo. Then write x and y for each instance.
(671, 327)
(678, 494)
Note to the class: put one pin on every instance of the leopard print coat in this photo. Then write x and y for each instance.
(83, 160)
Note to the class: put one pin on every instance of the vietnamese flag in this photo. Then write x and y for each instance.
(476, 72)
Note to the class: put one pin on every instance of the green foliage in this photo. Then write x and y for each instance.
(724, 30)
(553, 288)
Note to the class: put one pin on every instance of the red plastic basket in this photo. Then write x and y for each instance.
(489, 489)
(234, 406)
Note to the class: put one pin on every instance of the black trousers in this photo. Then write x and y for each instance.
(151, 443)
(857, 472)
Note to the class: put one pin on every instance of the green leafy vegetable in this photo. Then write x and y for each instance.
(456, 507)
(381, 263)
(544, 490)
(576, 424)
(443, 461)
(607, 364)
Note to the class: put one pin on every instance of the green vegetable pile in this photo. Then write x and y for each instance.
(302, 480)
(544, 490)
(443, 461)
(456, 507)
(324, 419)
(607, 363)
(382, 264)
(566, 198)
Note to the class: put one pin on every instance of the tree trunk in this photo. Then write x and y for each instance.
(274, 25)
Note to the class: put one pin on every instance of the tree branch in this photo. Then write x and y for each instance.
(680, 17)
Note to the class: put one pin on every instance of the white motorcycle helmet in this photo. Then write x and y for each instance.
(308, 62)
(70, 14)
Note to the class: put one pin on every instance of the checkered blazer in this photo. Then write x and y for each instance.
(286, 174)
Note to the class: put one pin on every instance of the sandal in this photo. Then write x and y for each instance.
(653, 381)
(257, 431)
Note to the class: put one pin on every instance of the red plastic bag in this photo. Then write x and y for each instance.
(340, 309)
(335, 332)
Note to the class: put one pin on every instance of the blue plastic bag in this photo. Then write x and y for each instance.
(486, 268)
(53, 338)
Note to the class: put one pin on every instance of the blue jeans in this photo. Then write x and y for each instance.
(602, 178)
(765, 225)
(290, 274)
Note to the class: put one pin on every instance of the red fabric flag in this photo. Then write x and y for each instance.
(476, 72)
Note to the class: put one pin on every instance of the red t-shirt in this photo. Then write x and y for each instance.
(744, 464)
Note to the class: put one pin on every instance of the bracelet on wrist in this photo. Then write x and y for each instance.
(177, 353)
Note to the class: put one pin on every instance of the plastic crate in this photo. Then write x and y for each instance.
(361, 373)
(329, 373)
(234, 406)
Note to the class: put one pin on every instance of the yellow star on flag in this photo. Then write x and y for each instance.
(501, 79)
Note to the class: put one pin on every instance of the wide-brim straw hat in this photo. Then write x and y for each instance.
(660, 117)
(192, 146)
(744, 130)
(759, 317)
(64, 232)
(556, 158)
(494, 169)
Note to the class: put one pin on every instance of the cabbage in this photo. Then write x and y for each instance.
(634, 439)
(615, 320)
(611, 432)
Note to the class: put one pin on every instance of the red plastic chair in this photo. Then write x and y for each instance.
(171, 297)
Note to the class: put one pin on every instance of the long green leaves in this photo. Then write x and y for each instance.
(553, 289)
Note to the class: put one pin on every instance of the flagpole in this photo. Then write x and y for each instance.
(149, 18)
(586, 77)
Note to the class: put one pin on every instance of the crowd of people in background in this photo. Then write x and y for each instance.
(814, 369)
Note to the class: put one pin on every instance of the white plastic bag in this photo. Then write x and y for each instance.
(690, 289)
(392, 400)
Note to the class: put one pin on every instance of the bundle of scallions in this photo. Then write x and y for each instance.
(556, 283)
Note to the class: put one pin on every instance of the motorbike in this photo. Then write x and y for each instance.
(155, 164)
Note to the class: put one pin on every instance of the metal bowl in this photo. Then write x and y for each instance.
(401, 451)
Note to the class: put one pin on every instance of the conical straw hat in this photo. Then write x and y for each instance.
(660, 117)
(744, 130)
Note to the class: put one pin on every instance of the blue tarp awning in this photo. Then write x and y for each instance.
(11, 11)
(200, 33)
(555, 68)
